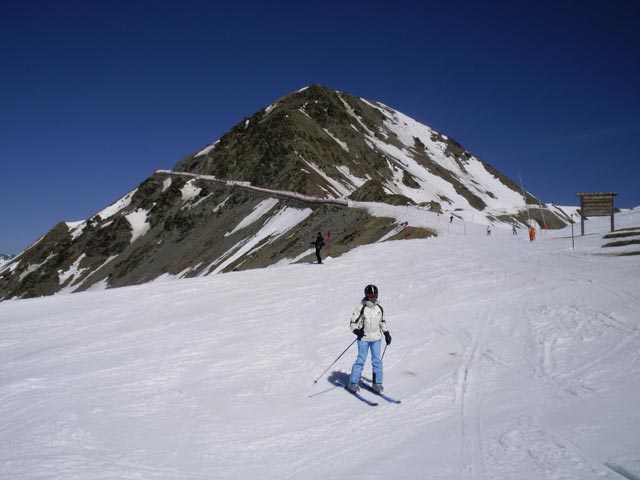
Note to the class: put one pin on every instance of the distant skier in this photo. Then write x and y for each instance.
(368, 324)
(532, 234)
(318, 244)
(451, 219)
(514, 231)
(488, 230)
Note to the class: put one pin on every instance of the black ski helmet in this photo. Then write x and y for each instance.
(370, 289)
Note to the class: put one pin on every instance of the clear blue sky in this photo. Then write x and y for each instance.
(96, 95)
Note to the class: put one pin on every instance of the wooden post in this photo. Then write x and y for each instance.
(581, 216)
(613, 226)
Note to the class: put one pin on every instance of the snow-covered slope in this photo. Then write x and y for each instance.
(513, 360)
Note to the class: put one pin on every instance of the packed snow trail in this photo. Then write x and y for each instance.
(512, 360)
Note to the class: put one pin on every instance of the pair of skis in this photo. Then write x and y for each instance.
(365, 400)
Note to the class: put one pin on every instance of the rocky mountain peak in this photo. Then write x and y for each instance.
(258, 195)
(325, 142)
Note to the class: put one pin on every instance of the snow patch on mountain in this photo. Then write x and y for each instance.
(190, 191)
(207, 149)
(139, 225)
(74, 271)
(339, 189)
(258, 212)
(277, 225)
(354, 180)
(76, 228)
(342, 144)
(117, 206)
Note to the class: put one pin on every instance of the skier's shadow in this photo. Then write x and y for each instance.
(338, 378)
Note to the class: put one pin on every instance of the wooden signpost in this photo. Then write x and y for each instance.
(596, 205)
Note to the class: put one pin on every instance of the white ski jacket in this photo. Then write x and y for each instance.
(371, 319)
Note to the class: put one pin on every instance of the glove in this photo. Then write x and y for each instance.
(387, 338)
(359, 332)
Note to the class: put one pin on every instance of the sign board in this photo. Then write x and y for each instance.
(596, 205)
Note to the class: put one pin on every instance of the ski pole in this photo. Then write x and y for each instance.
(383, 352)
(345, 351)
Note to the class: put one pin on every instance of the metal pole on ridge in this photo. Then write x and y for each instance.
(345, 351)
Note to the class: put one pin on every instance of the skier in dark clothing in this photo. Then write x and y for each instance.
(318, 244)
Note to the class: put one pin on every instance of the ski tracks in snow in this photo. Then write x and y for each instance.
(567, 354)
(468, 393)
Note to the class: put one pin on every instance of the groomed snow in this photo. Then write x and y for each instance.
(513, 360)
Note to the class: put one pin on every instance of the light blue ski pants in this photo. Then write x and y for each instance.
(376, 362)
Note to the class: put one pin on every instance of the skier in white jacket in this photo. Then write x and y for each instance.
(369, 325)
